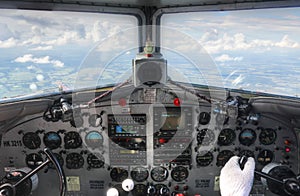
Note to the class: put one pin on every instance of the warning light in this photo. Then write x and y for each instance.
(179, 194)
(287, 142)
(162, 140)
(149, 55)
(122, 102)
(287, 149)
(177, 102)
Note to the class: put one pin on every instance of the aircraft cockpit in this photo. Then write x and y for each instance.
(148, 98)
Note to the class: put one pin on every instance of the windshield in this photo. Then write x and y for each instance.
(43, 51)
(256, 50)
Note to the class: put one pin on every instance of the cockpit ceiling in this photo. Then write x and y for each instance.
(155, 3)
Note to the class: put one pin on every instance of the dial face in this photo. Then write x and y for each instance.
(267, 136)
(94, 139)
(139, 174)
(33, 160)
(159, 174)
(59, 159)
(205, 137)
(95, 161)
(223, 157)
(247, 137)
(118, 174)
(226, 137)
(204, 118)
(72, 140)
(31, 140)
(203, 159)
(179, 173)
(265, 157)
(162, 190)
(139, 190)
(95, 120)
(247, 153)
(74, 161)
(52, 140)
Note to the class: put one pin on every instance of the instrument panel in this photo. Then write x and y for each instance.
(166, 149)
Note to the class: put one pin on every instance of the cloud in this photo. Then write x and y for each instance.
(226, 57)
(239, 41)
(42, 48)
(9, 43)
(42, 60)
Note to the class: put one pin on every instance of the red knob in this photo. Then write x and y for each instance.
(179, 194)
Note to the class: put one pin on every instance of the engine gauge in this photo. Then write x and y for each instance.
(139, 174)
(59, 159)
(203, 159)
(204, 118)
(94, 139)
(162, 190)
(52, 140)
(159, 174)
(226, 137)
(265, 157)
(139, 190)
(247, 137)
(247, 153)
(72, 140)
(179, 173)
(95, 161)
(31, 140)
(118, 174)
(267, 136)
(74, 161)
(95, 120)
(223, 157)
(33, 160)
(205, 137)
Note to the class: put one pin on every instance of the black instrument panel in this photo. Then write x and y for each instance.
(166, 150)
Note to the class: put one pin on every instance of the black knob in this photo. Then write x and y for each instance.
(164, 191)
(151, 190)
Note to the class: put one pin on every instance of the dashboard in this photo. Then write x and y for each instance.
(167, 143)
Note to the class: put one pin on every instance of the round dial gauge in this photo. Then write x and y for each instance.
(95, 161)
(95, 120)
(203, 159)
(52, 140)
(179, 173)
(74, 161)
(223, 157)
(33, 160)
(72, 140)
(94, 139)
(31, 140)
(247, 153)
(159, 174)
(162, 190)
(226, 137)
(265, 157)
(139, 174)
(204, 118)
(247, 137)
(59, 159)
(118, 174)
(205, 137)
(267, 136)
(139, 190)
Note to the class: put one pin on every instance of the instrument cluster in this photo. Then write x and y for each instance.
(169, 150)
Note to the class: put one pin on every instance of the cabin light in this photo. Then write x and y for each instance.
(122, 102)
(177, 102)
(287, 149)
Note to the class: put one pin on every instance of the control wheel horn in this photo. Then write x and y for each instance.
(9, 188)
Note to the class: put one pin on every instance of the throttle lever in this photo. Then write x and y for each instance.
(242, 161)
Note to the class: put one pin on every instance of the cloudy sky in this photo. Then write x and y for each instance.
(254, 50)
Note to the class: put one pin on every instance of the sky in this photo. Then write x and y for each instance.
(255, 50)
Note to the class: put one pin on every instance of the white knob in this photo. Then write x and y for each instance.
(112, 192)
(128, 185)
